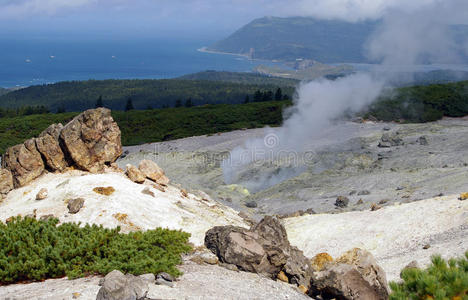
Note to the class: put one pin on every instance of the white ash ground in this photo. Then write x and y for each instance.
(347, 159)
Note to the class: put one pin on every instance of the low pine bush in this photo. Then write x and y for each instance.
(32, 250)
(441, 280)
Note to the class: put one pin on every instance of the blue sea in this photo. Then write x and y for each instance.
(25, 62)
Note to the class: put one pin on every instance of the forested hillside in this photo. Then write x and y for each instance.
(287, 39)
(144, 94)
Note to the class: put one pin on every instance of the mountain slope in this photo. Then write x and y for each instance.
(287, 39)
(299, 37)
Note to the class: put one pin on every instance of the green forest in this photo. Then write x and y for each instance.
(146, 94)
(144, 126)
(408, 104)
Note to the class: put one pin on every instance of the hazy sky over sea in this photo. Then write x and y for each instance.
(187, 18)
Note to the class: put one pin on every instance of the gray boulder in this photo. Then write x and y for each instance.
(390, 140)
(74, 205)
(117, 286)
(341, 201)
(264, 249)
(355, 275)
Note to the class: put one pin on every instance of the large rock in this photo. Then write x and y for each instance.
(6, 182)
(24, 162)
(153, 172)
(355, 275)
(263, 249)
(92, 140)
(117, 286)
(48, 145)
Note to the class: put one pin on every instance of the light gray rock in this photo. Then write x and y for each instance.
(74, 205)
(117, 286)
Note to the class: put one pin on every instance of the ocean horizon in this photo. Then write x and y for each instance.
(45, 61)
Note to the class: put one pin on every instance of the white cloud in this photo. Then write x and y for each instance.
(22, 8)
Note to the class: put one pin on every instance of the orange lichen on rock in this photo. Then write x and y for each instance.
(320, 260)
(463, 196)
(106, 191)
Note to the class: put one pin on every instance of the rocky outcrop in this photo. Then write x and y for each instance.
(24, 162)
(6, 182)
(355, 275)
(92, 140)
(117, 286)
(48, 145)
(89, 142)
(153, 172)
(264, 249)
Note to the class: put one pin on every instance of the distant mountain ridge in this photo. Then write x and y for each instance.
(288, 39)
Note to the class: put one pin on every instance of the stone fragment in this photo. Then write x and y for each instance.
(341, 202)
(153, 172)
(117, 286)
(74, 205)
(134, 174)
(42, 194)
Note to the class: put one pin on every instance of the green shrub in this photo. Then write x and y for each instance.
(441, 280)
(37, 250)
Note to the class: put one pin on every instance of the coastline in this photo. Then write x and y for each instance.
(206, 50)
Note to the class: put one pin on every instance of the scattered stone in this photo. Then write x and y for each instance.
(166, 276)
(155, 185)
(375, 207)
(463, 197)
(48, 145)
(341, 201)
(76, 295)
(264, 249)
(422, 140)
(251, 204)
(124, 154)
(400, 188)
(74, 205)
(360, 201)
(427, 246)
(24, 162)
(148, 191)
(134, 174)
(46, 217)
(148, 277)
(310, 211)
(209, 258)
(439, 195)
(161, 281)
(386, 128)
(106, 191)
(320, 260)
(184, 193)
(153, 172)
(353, 192)
(383, 201)
(42, 194)
(390, 140)
(364, 193)
(355, 275)
(6, 181)
(281, 276)
(92, 140)
(230, 267)
(117, 286)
